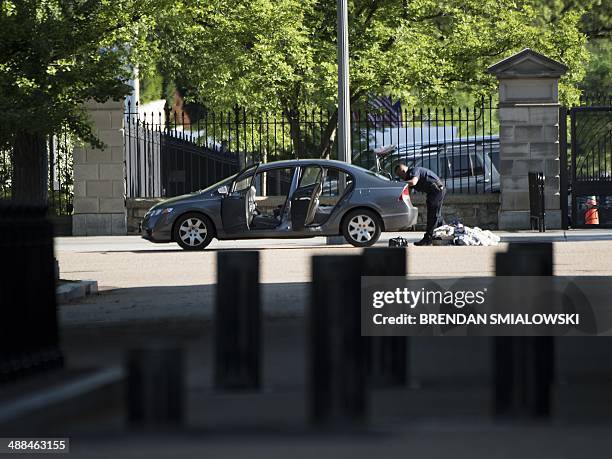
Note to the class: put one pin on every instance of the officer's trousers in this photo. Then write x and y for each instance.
(434, 210)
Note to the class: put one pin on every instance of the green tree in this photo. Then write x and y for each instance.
(281, 54)
(596, 24)
(54, 56)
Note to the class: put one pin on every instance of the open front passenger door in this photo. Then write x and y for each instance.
(238, 206)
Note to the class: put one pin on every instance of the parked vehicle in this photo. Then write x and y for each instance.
(465, 165)
(286, 199)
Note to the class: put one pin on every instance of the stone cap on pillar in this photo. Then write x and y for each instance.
(528, 77)
(528, 64)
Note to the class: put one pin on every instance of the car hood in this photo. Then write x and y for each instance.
(185, 198)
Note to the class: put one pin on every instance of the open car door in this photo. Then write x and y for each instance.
(238, 206)
(305, 199)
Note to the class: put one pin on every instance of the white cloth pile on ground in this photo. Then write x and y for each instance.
(458, 234)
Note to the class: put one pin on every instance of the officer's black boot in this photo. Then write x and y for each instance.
(425, 241)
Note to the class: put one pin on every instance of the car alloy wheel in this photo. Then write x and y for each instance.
(361, 228)
(193, 231)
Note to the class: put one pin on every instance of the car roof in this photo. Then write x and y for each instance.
(307, 162)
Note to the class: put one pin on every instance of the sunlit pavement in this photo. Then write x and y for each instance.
(118, 243)
(141, 281)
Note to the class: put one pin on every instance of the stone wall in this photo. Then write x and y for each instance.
(480, 210)
(99, 175)
(136, 210)
(472, 209)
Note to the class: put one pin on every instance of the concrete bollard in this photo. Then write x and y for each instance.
(387, 355)
(237, 321)
(155, 386)
(337, 359)
(523, 366)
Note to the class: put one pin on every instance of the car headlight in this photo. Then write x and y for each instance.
(156, 212)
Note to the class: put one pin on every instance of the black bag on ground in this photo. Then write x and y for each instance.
(398, 242)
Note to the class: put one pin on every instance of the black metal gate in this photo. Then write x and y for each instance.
(186, 167)
(164, 159)
(590, 171)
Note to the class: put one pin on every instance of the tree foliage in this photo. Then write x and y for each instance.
(57, 54)
(596, 24)
(281, 54)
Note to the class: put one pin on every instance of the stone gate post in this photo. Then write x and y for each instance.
(529, 135)
(99, 176)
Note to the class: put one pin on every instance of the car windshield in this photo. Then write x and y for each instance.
(218, 184)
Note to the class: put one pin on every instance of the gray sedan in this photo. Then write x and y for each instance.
(285, 199)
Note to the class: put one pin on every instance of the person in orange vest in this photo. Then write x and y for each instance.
(591, 215)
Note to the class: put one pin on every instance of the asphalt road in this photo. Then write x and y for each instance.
(151, 293)
(139, 280)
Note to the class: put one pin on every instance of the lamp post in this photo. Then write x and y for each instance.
(344, 104)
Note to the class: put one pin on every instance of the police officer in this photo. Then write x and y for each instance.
(425, 181)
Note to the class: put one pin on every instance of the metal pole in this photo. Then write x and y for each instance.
(344, 104)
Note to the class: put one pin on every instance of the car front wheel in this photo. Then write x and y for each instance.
(361, 228)
(193, 231)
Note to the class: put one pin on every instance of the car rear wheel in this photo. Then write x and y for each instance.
(193, 231)
(361, 227)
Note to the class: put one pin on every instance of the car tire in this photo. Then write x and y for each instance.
(361, 227)
(193, 231)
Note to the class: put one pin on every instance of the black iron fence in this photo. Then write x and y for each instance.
(58, 150)
(461, 145)
(170, 152)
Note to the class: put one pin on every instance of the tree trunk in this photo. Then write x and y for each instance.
(294, 131)
(30, 178)
(329, 136)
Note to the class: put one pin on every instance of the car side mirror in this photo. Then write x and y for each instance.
(222, 190)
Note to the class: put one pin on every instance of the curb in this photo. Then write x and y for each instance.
(94, 389)
(72, 290)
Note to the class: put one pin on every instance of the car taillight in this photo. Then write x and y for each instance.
(405, 196)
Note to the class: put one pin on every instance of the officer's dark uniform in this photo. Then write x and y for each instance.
(430, 184)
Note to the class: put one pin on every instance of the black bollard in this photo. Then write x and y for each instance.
(29, 337)
(156, 386)
(338, 372)
(237, 321)
(523, 366)
(387, 355)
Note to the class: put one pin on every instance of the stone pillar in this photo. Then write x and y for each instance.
(99, 176)
(528, 134)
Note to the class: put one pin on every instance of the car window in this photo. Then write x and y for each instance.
(459, 166)
(226, 181)
(430, 161)
(274, 182)
(272, 187)
(310, 176)
(375, 174)
(335, 184)
(243, 181)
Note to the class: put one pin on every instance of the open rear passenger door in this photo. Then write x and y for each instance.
(305, 199)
